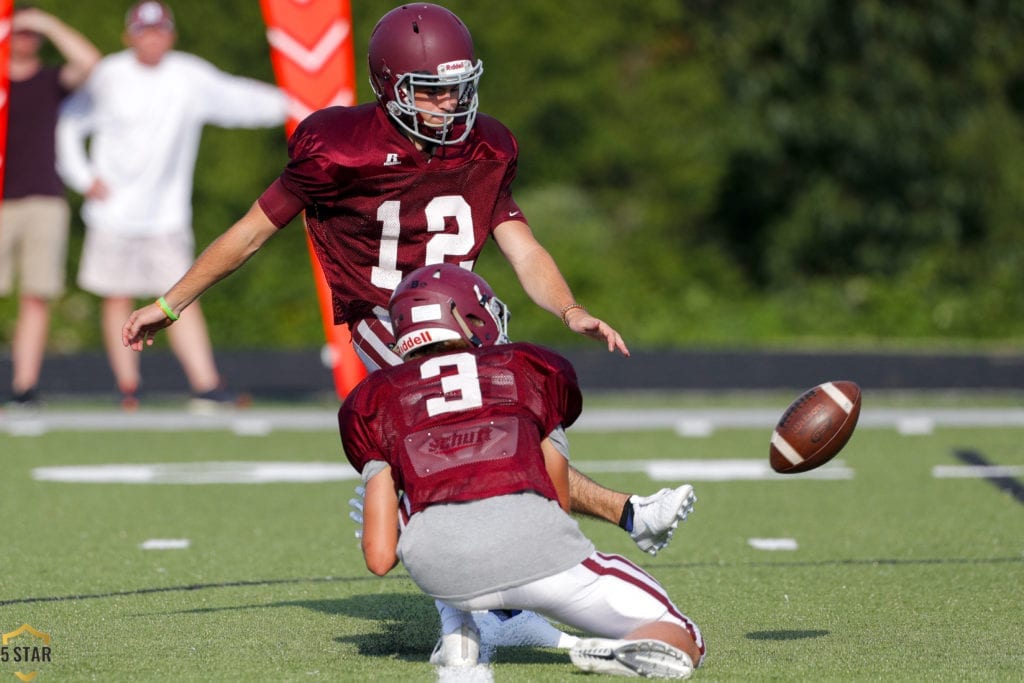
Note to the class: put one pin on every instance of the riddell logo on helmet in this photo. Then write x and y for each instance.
(454, 68)
(410, 343)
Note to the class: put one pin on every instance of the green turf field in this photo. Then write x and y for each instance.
(896, 575)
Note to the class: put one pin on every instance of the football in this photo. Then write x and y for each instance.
(815, 427)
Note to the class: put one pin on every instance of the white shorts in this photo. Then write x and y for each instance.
(605, 595)
(34, 244)
(136, 266)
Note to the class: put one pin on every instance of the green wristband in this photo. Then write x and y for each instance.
(168, 311)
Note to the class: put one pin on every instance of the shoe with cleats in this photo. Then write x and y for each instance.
(635, 658)
(458, 648)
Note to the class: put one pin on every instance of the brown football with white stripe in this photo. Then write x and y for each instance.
(815, 427)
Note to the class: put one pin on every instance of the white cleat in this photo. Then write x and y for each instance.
(459, 648)
(636, 658)
(656, 517)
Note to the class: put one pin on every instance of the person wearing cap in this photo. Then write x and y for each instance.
(143, 111)
(34, 214)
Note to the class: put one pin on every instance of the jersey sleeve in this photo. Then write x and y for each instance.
(305, 178)
(308, 174)
(505, 206)
(280, 205)
(560, 395)
(358, 438)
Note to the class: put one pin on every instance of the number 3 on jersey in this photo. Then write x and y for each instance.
(465, 381)
(386, 273)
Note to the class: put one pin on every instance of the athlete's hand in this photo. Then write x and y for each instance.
(582, 322)
(142, 325)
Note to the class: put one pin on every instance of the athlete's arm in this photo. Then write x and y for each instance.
(558, 469)
(224, 256)
(380, 523)
(543, 282)
(593, 500)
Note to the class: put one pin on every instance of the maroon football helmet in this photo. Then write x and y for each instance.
(442, 302)
(427, 47)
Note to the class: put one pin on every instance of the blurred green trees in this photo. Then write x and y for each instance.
(710, 172)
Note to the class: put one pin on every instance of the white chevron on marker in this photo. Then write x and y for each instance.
(298, 110)
(309, 59)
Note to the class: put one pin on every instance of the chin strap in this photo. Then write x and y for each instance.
(495, 308)
(466, 332)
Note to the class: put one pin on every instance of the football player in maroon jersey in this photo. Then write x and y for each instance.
(418, 177)
(457, 429)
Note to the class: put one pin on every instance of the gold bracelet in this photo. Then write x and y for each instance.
(568, 308)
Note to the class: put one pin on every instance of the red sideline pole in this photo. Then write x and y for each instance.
(313, 59)
(6, 11)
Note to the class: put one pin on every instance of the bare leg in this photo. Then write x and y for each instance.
(28, 346)
(190, 342)
(123, 361)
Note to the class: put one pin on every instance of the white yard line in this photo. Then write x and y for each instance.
(685, 422)
(258, 472)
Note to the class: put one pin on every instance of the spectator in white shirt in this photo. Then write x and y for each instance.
(143, 110)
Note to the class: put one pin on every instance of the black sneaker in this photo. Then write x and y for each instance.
(215, 400)
(25, 399)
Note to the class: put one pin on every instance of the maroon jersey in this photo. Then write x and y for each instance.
(31, 167)
(464, 425)
(377, 208)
